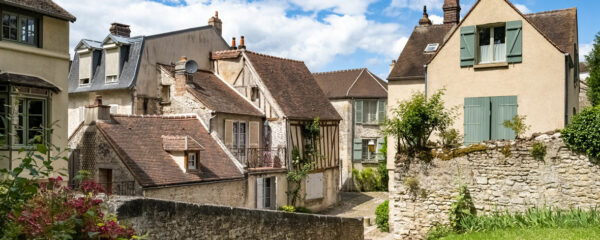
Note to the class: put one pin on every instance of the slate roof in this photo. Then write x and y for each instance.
(29, 81)
(216, 94)
(352, 83)
(128, 72)
(559, 27)
(138, 141)
(293, 87)
(46, 7)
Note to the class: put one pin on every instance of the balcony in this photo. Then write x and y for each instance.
(261, 158)
(119, 188)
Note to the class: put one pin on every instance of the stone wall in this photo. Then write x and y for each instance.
(174, 220)
(496, 182)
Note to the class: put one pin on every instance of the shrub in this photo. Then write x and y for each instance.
(506, 151)
(593, 82)
(450, 138)
(287, 208)
(517, 124)
(583, 133)
(462, 209)
(412, 185)
(303, 210)
(382, 214)
(368, 180)
(384, 178)
(538, 151)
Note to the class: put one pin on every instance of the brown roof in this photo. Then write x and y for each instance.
(559, 27)
(226, 54)
(181, 143)
(352, 83)
(293, 87)
(413, 58)
(25, 80)
(46, 7)
(138, 141)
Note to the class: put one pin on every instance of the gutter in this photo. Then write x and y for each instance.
(425, 66)
(567, 66)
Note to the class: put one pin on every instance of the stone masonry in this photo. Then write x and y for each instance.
(496, 182)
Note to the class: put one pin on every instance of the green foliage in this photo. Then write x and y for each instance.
(413, 121)
(287, 208)
(517, 124)
(583, 133)
(303, 210)
(382, 214)
(538, 151)
(450, 138)
(530, 234)
(383, 149)
(593, 82)
(454, 153)
(506, 151)
(439, 231)
(294, 179)
(368, 180)
(462, 209)
(384, 178)
(412, 184)
(303, 163)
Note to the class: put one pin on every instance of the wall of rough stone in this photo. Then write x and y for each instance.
(344, 108)
(496, 182)
(174, 220)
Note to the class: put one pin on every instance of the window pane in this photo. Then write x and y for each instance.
(36, 122)
(484, 36)
(32, 134)
(18, 139)
(235, 135)
(242, 135)
(36, 107)
(499, 35)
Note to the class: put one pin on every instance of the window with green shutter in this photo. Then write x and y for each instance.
(358, 111)
(467, 46)
(380, 156)
(381, 109)
(357, 150)
(484, 118)
(503, 108)
(514, 38)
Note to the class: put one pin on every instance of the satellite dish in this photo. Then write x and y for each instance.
(191, 67)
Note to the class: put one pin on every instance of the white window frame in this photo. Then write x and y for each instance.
(112, 79)
(81, 84)
(192, 161)
(492, 44)
(238, 136)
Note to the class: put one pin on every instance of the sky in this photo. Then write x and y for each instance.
(327, 35)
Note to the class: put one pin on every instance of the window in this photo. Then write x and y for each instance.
(255, 93)
(484, 118)
(239, 137)
(368, 150)
(30, 121)
(266, 193)
(192, 161)
(19, 28)
(114, 108)
(105, 179)
(84, 82)
(371, 111)
(492, 44)
(432, 47)
(166, 93)
(112, 79)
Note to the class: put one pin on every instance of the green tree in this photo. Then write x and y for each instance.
(593, 82)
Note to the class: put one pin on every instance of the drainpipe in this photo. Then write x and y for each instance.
(567, 66)
(425, 66)
(213, 114)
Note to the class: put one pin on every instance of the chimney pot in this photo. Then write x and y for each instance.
(233, 45)
(242, 43)
(120, 29)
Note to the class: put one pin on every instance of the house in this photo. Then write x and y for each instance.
(122, 70)
(360, 97)
(34, 45)
(288, 95)
(495, 63)
(584, 74)
(170, 157)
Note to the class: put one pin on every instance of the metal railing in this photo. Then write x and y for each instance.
(126, 188)
(261, 157)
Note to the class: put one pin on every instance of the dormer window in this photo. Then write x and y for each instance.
(192, 161)
(112, 63)
(85, 67)
(185, 151)
(84, 82)
(432, 47)
(112, 79)
(19, 28)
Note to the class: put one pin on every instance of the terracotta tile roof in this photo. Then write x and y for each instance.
(293, 87)
(181, 143)
(46, 7)
(411, 62)
(218, 95)
(226, 54)
(29, 81)
(352, 83)
(138, 141)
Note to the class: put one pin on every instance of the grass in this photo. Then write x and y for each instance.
(531, 233)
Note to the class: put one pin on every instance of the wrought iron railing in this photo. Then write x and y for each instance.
(126, 188)
(253, 158)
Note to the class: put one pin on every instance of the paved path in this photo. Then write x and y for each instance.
(363, 205)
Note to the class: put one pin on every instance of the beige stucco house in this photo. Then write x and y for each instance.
(360, 97)
(495, 63)
(34, 63)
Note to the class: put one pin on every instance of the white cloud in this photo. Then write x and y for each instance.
(435, 19)
(584, 50)
(352, 7)
(522, 8)
(265, 25)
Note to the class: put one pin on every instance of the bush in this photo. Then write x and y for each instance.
(368, 180)
(593, 82)
(462, 209)
(517, 124)
(412, 184)
(287, 208)
(303, 210)
(538, 151)
(384, 178)
(450, 138)
(583, 133)
(382, 214)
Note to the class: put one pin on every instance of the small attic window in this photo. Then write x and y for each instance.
(432, 47)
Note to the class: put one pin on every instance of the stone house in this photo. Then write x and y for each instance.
(34, 63)
(286, 92)
(360, 97)
(121, 69)
(495, 63)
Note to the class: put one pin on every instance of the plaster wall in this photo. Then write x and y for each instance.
(232, 193)
(344, 108)
(122, 98)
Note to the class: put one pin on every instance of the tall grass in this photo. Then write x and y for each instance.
(538, 217)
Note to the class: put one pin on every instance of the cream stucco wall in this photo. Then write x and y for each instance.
(122, 98)
(344, 108)
(538, 82)
(280, 185)
(51, 63)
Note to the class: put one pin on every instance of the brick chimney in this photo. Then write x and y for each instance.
(233, 44)
(242, 44)
(120, 29)
(425, 20)
(451, 11)
(180, 77)
(216, 23)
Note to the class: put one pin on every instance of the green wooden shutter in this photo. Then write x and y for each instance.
(357, 154)
(467, 46)
(358, 111)
(381, 110)
(380, 156)
(477, 120)
(514, 40)
(503, 108)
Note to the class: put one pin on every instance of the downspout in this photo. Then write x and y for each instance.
(425, 66)
(567, 66)
(213, 114)
(10, 128)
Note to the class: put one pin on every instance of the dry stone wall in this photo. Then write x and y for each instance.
(176, 220)
(496, 181)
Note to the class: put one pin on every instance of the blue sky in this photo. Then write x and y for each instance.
(326, 34)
